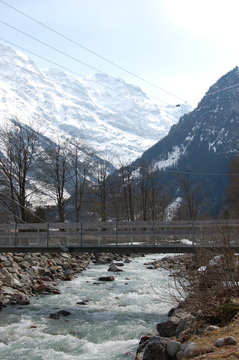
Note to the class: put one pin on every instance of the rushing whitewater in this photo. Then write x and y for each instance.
(108, 327)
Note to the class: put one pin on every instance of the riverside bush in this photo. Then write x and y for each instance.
(210, 284)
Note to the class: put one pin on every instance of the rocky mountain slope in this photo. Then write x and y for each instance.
(203, 141)
(104, 112)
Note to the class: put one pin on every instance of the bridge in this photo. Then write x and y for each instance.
(120, 236)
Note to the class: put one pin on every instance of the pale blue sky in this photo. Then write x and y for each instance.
(182, 46)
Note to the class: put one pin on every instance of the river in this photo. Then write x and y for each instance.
(108, 327)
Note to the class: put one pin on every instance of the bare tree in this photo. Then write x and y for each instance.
(56, 175)
(101, 189)
(193, 195)
(151, 197)
(18, 157)
(232, 192)
(127, 181)
(80, 170)
(101, 169)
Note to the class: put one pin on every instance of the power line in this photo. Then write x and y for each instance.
(180, 171)
(51, 47)
(91, 51)
(72, 71)
(67, 55)
(53, 62)
(220, 90)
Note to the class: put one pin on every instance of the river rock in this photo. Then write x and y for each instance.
(188, 348)
(212, 328)
(64, 312)
(119, 264)
(167, 328)
(14, 268)
(182, 325)
(156, 349)
(193, 350)
(49, 274)
(102, 259)
(9, 280)
(29, 259)
(7, 263)
(46, 278)
(229, 340)
(66, 266)
(24, 302)
(25, 265)
(18, 258)
(173, 347)
(54, 316)
(199, 315)
(171, 312)
(114, 268)
(106, 278)
(127, 261)
(81, 303)
(69, 272)
(3, 258)
(43, 287)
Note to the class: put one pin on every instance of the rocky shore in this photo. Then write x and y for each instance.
(186, 335)
(25, 275)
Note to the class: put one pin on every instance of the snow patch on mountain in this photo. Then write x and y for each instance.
(117, 119)
(170, 159)
(172, 209)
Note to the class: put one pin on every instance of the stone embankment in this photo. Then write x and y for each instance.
(25, 275)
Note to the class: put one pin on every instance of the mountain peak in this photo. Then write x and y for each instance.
(12, 60)
(102, 111)
(226, 81)
(204, 140)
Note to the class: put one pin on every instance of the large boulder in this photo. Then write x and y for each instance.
(167, 328)
(156, 349)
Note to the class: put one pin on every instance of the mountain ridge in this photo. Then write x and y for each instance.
(203, 141)
(117, 116)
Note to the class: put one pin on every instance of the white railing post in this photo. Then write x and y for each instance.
(47, 235)
(15, 235)
(116, 233)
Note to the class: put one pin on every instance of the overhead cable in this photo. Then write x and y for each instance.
(220, 90)
(70, 70)
(179, 171)
(91, 51)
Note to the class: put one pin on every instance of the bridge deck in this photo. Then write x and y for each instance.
(130, 249)
(120, 237)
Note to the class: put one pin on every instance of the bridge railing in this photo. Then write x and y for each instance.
(120, 233)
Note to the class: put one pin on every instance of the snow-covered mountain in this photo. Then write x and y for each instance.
(203, 142)
(115, 118)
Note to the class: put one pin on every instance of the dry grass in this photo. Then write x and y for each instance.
(209, 337)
